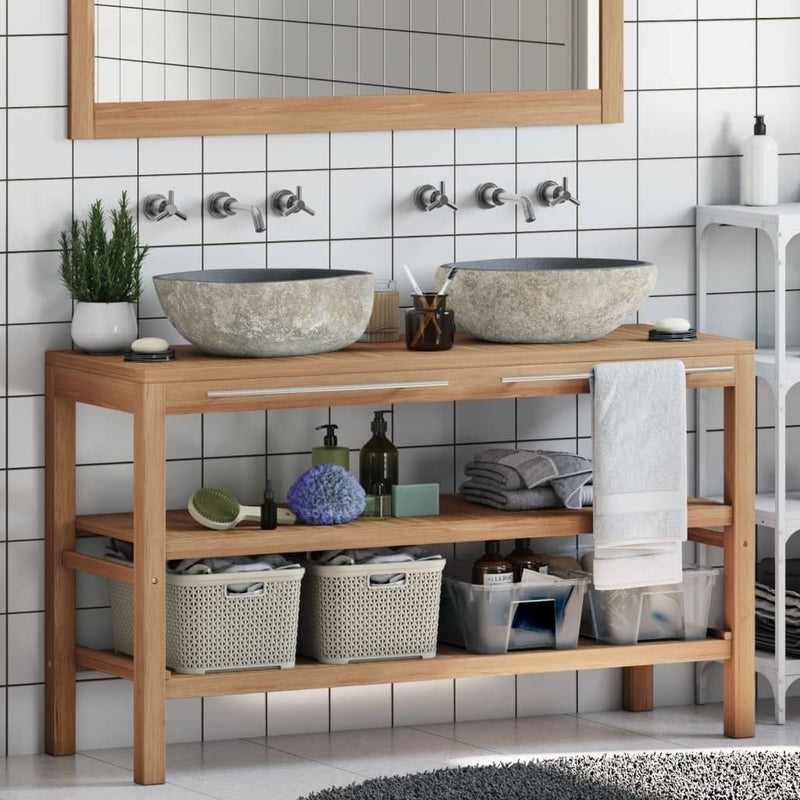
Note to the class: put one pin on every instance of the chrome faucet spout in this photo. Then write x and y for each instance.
(222, 205)
(254, 212)
(523, 201)
(490, 195)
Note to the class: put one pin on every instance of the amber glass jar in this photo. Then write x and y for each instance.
(429, 325)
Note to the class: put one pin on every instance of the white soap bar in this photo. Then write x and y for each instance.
(673, 325)
(150, 344)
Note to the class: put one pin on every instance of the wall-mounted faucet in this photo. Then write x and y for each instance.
(158, 207)
(286, 202)
(490, 195)
(221, 205)
(429, 198)
(552, 193)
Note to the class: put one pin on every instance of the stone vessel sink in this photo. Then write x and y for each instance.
(268, 312)
(545, 299)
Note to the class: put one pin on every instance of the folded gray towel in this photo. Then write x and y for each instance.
(765, 606)
(486, 493)
(510, 470)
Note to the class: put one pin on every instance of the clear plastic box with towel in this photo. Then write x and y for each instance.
(515, 616)
(629, 616)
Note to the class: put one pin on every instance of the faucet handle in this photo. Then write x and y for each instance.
(158, 207)
(286, 202)
(551, 193)
(301, 205)
(429, 198)
(567, 196)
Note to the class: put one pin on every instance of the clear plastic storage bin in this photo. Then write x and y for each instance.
(628, 616)
(346, 615)
(517, 616)
(213, 629)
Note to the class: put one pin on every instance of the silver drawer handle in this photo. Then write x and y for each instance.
(360, 387)
(586, 375)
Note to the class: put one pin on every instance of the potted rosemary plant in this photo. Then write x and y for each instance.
(103, 275)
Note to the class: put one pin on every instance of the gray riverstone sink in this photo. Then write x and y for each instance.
(264, 313)
(544, 300)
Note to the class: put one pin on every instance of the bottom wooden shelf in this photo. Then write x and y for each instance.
(451, 662)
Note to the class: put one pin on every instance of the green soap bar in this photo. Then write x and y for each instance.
(415, 500)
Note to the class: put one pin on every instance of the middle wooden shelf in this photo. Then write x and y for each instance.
(459, 521)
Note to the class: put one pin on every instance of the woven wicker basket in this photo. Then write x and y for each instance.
(345, 618)
(210, 629)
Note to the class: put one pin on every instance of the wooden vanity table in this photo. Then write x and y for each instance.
(363, 374)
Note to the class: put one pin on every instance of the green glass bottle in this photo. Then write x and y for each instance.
(378, 469)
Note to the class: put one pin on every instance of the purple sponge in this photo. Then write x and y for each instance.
(326, 494)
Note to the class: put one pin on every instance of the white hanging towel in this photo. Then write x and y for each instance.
(639, 456)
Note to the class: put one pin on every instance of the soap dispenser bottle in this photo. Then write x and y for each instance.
(330, 452)
(491, 569)
(378, 469)
(760, 168)
(522, 558)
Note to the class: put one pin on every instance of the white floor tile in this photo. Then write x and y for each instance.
(237, 769)
(694, 726)
(73, 777)
(378, 753)
(539, 735)
(286, 767)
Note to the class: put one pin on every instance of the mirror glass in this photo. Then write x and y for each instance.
(235, 49)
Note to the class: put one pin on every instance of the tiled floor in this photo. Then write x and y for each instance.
(287, 767)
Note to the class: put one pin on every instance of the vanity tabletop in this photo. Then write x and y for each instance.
(364, 374)
(626, 343)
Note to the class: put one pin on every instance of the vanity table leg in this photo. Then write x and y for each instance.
(59, 581)
(637, 688)
(150, 555)
(739, 673)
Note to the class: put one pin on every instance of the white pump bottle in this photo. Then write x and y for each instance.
(760, 168)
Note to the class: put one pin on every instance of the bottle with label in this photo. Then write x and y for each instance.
(378, 469)
(522, 558)
(330, 452)
(491, 569)
(760, 168)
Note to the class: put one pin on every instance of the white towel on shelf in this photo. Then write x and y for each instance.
(639, 455)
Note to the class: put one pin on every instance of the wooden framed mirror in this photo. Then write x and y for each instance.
(156, 68)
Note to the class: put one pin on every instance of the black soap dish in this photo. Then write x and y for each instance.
(150, 358)
(683, 336)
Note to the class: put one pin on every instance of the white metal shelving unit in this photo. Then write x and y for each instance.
(780, 369)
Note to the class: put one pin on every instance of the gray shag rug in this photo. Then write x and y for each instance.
(693, 775)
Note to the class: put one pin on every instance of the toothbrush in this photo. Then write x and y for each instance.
(446, 283)
(414, 284)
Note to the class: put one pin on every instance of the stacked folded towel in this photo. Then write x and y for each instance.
(765, 620)
(380, 555)
(524, 480)
(213, 566)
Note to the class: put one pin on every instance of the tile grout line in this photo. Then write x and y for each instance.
(6, 640)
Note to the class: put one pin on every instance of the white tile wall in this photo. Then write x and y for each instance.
(691, 94)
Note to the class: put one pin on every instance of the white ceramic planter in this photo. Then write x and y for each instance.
(104, 327)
